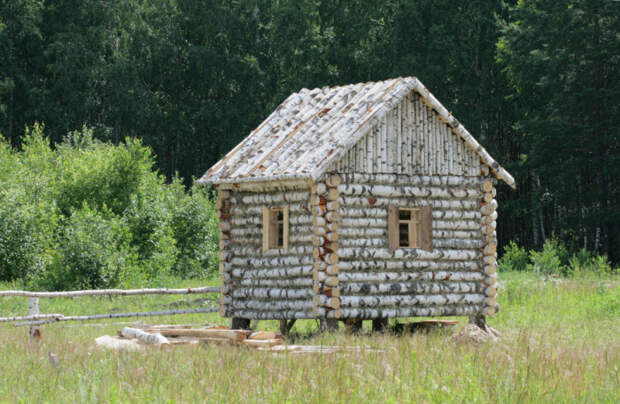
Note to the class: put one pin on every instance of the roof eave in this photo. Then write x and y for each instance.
(239, 180)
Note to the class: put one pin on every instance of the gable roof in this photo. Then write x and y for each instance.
(312, 129)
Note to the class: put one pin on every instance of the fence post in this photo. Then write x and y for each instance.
(33, 309)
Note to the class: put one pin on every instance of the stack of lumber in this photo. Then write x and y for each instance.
(163, 336)
(166, 336)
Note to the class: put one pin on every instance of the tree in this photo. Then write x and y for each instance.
(561, 58)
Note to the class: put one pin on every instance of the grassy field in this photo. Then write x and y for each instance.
(560, 343)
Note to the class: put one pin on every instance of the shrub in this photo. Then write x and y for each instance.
(584, 261)
(93, 252)
(148, 217)
(194, 224)
(100, 173)
(547, 261)
(90, 214)
(26, 236)
(515, 258)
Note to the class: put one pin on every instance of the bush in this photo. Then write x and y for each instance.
(91, 214)
(100, 173)
(194, 224)
(548, 260)
(93, 252)
(515, 258)
(584, 261)
(26, 236)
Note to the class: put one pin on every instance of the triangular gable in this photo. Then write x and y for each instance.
(313, 129)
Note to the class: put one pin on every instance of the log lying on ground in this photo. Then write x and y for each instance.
(232, 335)
(145, 337)
(118, 344)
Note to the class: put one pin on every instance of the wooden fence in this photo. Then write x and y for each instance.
(35, 318)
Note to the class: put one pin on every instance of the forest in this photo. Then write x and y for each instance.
(537, 82)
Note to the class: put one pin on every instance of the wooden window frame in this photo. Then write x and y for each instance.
(419, 231)
(275, 230)
(414, 227)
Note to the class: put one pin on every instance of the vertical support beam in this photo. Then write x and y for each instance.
(488, 210)
(325, 219)
(238, 323)
(33, 309)
(223, 213)
(380, 325)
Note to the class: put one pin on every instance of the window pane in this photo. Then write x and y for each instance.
(403, 234)
(280, 240)
(404, 214)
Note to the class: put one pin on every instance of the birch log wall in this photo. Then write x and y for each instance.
(344, 163)
(278, 283)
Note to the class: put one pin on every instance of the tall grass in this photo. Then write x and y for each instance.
(560, 343)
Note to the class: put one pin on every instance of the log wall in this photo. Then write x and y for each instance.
(411, 139)
(277, 284)
(452, 279)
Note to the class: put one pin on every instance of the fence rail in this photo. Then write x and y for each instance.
(35, 318)
(110, 292)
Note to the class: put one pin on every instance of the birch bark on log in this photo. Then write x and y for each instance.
(147, 338)
(410, 276)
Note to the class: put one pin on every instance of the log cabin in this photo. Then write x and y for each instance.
(364, 201)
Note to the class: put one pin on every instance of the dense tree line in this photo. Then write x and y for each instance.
(537, 82)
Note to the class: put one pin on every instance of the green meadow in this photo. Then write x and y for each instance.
(560, 343)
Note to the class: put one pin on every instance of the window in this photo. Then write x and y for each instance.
(275, 227)
(410, 227)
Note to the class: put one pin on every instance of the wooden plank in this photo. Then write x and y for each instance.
(266, 228)
(285, 236)
(393, 227)
(426, 240)
(233, 335)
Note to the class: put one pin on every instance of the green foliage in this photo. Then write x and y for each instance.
(548, 260)
(93, 252)
(554, 258)
(584, 261)
(89, 214)
(515, 258)
(99, 173)
(194, 225)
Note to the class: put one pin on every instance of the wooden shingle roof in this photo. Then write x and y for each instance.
(312, 129)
